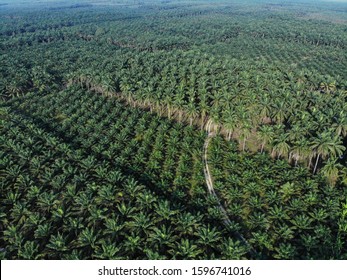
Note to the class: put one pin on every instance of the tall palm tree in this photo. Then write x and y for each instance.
(179, 103)
(326, 144)
(300, 150)
(340, 124)
(266, 135)
(245, 133)
(230, 123)
(281, 145)
(280, 112)
(331, 170)
(192, 112)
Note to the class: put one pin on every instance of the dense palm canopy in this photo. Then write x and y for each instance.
(103, 115)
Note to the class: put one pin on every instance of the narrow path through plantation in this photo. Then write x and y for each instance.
(209, 182)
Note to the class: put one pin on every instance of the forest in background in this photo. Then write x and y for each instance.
(106, 106)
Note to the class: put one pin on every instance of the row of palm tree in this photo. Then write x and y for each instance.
(97, 178)
(74, 191)
(83, 172)
(286, 44)
(288, 126)
(281, 208)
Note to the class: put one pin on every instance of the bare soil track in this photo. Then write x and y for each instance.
(209, 182)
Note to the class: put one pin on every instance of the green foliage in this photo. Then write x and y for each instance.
(284, 213)
(103, 116)
(77, 202)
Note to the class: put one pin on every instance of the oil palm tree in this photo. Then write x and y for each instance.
(326, 144)
(331, 170)
(266, 135)
(186, 250)
(281, 145)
